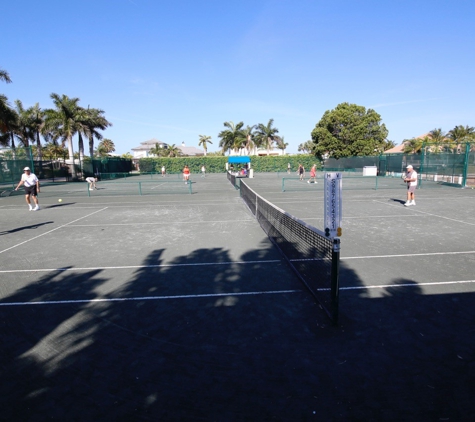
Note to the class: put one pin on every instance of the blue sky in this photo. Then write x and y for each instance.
(175, 69)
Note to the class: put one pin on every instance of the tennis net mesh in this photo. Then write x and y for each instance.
(313, 256)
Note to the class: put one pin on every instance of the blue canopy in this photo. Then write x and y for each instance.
(239, 159)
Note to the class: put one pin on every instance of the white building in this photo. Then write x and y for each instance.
(143, 150)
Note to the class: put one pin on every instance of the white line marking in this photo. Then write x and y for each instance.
(161, 223)
(270, 261)
(428, 213)
(127, 299)
(363, 217)
(385, 286)
(57, 228)
(408, 255)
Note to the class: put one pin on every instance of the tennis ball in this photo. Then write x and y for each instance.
(60, 200)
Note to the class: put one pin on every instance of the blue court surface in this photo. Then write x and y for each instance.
(174, 305)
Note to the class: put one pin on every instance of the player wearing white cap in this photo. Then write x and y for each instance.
(32, 188)
(411, 180)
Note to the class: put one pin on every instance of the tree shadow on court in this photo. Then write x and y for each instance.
(179, 340)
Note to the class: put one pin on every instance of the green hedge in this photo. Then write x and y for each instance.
(218, 164)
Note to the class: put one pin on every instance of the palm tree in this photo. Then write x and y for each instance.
(231, 136)
(4, 76)
(37, 126)
(105, 147)
(52, 150)
(266, 134)
(157, 150)
(281, 144)
(24, 128)
(248, 134)
(204, 140)
(460, 134)
(412, 146)
(173, 151)
(65, 120)
(93, 121)
(8, 123)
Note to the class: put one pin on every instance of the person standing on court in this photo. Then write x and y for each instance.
(288, 168)
(411, 180)
(92, 182)
(163, 171)
(301, 171)
(203, 171)
(186, 174)
(313, 174)
(32, 188)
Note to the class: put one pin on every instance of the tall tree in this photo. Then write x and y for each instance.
(37, 126)
(8, 123)
(266, 135)
(65, 120)
(248, 134)
(349, 130)
(230, 136)
(281, 144)
(92, 122)
(204, 141)
(24, 130)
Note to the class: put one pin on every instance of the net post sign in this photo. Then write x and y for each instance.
(332, 189)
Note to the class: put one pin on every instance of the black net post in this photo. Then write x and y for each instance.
(335, 280)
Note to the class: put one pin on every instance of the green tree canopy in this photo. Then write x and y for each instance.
(105, 147)
(349, 130)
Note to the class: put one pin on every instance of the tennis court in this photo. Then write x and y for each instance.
(178, 307)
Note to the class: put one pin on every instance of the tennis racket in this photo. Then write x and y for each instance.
(403, 176)
(7, 192)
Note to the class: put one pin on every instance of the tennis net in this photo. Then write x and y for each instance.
(313, 256)
(234, 180)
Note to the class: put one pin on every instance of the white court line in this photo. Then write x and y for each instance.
(387, 256)
(128, 299)
(57, 228)
(163, 222)
(428, 213)
(408, 255)
(126, 267)
(363, 217)
(385, 286)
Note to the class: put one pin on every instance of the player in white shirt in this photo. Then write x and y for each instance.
(32, 188)
(411, 180)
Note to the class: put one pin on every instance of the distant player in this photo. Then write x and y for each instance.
(92, 182)
(203, 171)
(163, 171)
(32, 188)
(313, 174)
(288, 168)
(301, 171)
(186, 174)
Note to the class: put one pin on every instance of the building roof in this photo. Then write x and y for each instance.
(191, 150)
(148, 145)
(397, 149)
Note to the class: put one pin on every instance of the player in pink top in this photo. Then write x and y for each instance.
(313, 175)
